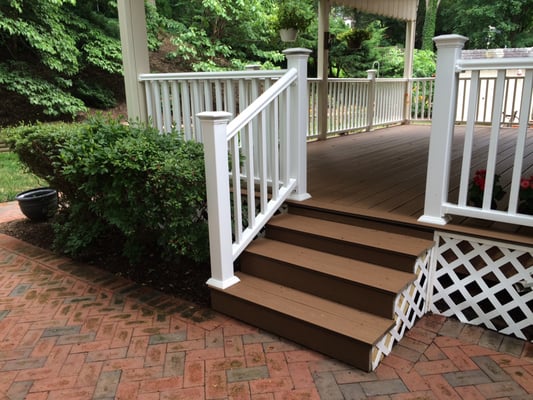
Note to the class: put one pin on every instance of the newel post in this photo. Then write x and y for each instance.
(371, 75)
(444, 109)
(297, 58)
(214, 126)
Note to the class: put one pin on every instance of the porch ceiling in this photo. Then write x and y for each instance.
(400, 9)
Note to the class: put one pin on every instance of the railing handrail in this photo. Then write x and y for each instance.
(202, 76)
(267, 156)
(258, 105)
(494, 64)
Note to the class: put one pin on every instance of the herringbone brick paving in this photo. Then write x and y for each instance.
(71, 331)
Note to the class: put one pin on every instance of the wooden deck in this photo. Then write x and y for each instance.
(383, 173)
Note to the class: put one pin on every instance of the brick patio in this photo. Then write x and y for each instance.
(71, 331)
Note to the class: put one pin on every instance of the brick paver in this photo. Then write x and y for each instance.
(72, 331)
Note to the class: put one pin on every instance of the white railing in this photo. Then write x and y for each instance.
(348, 101)
(438, 204)
(422, 99)
(347, 106)
(253, 164)
(356, 104)
(389, 101)
(511, 99)
(175, 99)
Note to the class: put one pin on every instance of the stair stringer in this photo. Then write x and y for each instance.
(409, 306)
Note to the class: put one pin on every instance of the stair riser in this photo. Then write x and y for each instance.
(373, 255)
(364, 298)
(354, 220)
(330, 343)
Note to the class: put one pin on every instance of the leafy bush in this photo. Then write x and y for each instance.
(48, 45)
(52, 96)
(38, 147)
(393, 58)
(130, 184)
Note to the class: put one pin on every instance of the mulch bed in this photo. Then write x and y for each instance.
(185, 280)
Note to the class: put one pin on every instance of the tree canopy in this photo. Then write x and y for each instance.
(55, 48)
(60, 57)
(493, 24)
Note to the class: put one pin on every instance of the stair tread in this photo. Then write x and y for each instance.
(363, 273)
(401, 244)
(359, 325)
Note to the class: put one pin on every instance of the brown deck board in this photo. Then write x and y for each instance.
(384, 172)
(345, 320)
(369, 237)
(385, 279)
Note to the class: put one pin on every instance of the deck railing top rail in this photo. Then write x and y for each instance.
(494, 64)
(253, 74)
(261, 103)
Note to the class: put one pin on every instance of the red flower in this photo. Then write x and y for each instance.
(524, 183)
(477, 188)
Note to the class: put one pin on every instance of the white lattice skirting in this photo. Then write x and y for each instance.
(409, 306)
(473, 280)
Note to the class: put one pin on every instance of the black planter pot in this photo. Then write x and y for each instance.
(38, 204)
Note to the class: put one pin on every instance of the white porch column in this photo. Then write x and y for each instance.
(410, 32)
(135, 61)
(214, 127)
(297, 58)
(442, 126)
(324, 8)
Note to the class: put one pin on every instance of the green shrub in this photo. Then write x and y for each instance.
(38, 147)
(129, 184)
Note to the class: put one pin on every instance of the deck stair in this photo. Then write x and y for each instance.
(328, 285)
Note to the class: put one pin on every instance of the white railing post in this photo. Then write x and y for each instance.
(447, 76)
(371, 105)
(297, 58)
(213, 128)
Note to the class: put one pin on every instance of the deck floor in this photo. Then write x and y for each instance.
(384, 171)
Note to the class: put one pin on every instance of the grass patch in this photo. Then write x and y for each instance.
(14, 178)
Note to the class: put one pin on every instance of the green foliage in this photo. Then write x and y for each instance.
(49, 44)
(95, 95)
(293, 14)
(130, 184)
(38, 147)
(215, 34)
(392, 63)
(354, 37)
(52, 95)
(355, 62)
(512, 21)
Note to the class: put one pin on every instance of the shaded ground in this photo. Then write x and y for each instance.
(185, 280)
